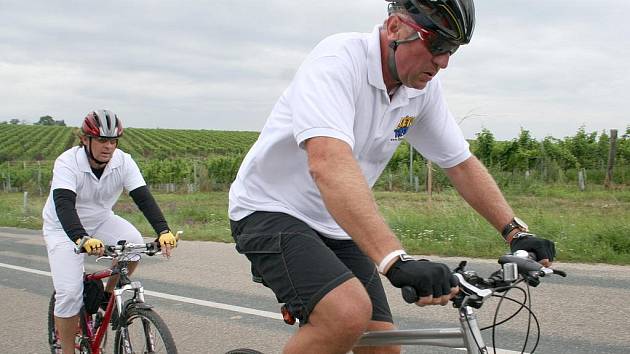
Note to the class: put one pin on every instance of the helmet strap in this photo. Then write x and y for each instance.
(391, 61)
(88, 151)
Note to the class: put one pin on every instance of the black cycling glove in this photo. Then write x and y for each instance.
(529, 242)
(427, 278)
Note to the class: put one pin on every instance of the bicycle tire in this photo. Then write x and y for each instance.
(136, 323)
(54, 341)
(244, 351)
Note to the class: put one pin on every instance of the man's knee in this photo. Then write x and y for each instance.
(68, 302)
(346, 310)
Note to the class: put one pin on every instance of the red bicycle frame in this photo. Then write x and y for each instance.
(96, 338)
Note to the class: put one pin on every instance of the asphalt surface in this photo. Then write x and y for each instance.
(205, 295)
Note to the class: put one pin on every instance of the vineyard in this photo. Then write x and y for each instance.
(193, 160)
(37, 142)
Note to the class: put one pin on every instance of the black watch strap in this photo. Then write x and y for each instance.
(513, 224)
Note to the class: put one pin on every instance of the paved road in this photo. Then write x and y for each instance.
(205, 296)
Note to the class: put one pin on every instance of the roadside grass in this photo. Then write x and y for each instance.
(592, 230)
(591, 226)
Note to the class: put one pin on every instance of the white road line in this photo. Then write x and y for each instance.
(216, 305)
(29, 270)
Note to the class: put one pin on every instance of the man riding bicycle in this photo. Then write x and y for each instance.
(87, 181)
(301, 207)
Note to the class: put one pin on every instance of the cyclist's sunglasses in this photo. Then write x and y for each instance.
(435, 43)
(105, 140)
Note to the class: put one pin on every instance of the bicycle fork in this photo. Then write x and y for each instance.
(138, 299)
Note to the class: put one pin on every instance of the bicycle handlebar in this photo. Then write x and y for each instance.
(515, 268)
(149, 248)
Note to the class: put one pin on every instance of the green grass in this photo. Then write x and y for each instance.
(591, 226)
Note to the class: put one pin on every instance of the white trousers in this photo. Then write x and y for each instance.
(67, 267)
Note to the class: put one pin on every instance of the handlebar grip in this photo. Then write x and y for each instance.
(560, 273)
(524, 265)
(409, 294)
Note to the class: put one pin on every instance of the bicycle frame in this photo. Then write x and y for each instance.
(124, 284)
(467, 336)
(517, 268)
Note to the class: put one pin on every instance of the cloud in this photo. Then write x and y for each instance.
(547, 66)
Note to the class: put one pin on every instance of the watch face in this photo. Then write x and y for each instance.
(521, 223)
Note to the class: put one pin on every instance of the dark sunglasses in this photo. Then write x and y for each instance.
(435, 43)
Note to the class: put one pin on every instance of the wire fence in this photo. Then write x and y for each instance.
(191, 176)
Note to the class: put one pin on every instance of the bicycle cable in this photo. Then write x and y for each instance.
(524, 304)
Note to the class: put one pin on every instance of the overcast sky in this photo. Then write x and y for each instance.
(549, 66)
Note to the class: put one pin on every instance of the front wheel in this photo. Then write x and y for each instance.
(143, 331)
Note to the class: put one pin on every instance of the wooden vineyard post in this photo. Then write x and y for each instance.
(410, 165)
(611, 159)
(430, 179)
(582, 179)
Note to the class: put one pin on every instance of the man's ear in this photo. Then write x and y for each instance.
(392, 27)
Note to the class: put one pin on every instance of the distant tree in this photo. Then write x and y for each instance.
(485, 146)
(45, 120)
(556, 150)
(14, 121)
(623, 148)
(603, 145)
(584, 147)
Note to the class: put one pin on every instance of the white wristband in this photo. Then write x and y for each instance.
(388, 258)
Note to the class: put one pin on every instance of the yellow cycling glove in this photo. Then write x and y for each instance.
(167, 238)
(90, 244)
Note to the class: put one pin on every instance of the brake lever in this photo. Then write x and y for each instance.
(547, 271)
(482, 293)
(103, 257)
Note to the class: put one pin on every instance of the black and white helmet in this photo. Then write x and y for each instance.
(454, 20)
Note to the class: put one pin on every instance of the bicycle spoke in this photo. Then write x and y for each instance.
(145, 332)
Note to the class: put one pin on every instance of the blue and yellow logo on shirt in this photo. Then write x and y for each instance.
(402, 127)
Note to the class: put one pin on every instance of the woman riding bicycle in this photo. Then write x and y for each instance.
(87, 181)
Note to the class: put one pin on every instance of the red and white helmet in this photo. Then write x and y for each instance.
(102, 123)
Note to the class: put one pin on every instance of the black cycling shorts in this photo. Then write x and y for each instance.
(301, 266)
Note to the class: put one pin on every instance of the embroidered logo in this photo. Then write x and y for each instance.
(402, 127)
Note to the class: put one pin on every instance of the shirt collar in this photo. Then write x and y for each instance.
(84, 164)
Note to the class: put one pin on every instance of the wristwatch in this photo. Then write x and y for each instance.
(515, 223)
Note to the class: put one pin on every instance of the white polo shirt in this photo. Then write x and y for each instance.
(95, 197)
(339, 92)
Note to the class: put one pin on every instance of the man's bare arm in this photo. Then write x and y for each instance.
(348, 197)
(478, 188)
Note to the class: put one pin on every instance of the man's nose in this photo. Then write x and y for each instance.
(441, 60)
